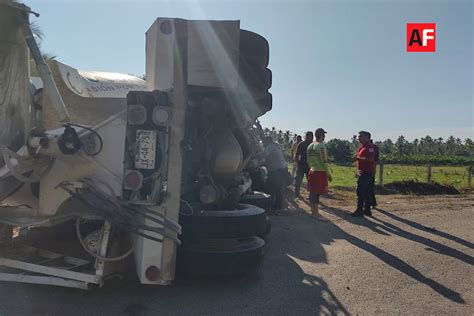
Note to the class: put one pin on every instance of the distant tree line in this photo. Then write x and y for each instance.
(437, 151)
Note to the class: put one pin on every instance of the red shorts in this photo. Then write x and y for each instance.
(318, 182)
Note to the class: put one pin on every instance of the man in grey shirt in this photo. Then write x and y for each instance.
(277, 171)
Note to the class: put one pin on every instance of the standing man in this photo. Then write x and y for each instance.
(365, 174)
(277, 171)
(301, 160)
(373, 200)
(296, 141)
(319, 173)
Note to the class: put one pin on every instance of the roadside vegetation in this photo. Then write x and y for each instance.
(456, 176)
(450, 159)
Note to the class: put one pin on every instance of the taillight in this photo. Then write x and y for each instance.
(136, 114)
(152, 273)
(133, 180)
(161, 115)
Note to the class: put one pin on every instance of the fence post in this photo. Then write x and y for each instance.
(428, 178)
(381, 173)
(469, 176)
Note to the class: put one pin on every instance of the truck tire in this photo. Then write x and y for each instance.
(259, 199)
(219, 257)
(266, 102)
(267, 230)
(268, 76)
(255, 78)
(261, 101)
(254, 48)
(245, 221)
(264, 201)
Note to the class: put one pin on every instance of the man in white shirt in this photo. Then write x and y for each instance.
(277, 171)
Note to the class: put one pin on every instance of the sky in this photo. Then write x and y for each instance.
(340, 65)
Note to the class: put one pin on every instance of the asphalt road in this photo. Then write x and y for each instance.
(415, 256)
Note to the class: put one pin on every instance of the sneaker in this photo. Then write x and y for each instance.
(368, 213)
(357, 213)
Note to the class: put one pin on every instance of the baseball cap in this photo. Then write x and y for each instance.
(320, 131)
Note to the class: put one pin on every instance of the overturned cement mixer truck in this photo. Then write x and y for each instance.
(161, 174)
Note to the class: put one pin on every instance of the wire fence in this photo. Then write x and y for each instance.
(459, 177)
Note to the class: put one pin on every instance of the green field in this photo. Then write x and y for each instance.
(448, 175)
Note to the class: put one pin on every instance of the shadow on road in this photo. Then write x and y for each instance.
(392, 260)
(440, 248)
(427, 229)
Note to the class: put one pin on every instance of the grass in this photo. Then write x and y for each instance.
(344, 176)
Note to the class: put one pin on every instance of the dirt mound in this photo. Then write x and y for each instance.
(417, 188)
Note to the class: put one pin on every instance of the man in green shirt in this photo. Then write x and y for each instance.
(319, 173)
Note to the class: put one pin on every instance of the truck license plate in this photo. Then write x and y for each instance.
(145, 150)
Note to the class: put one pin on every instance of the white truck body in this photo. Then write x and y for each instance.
(179, 54)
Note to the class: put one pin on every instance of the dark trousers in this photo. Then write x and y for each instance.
(300, 173)
(373, 200)
(364, 198)
(276, 186)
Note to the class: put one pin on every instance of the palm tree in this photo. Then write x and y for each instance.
(401, 145)
(416, 143)
(439, 145)
(354, 142)
(450, 145)
(280, 137)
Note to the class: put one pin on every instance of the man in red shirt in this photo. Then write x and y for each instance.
(365, 174)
